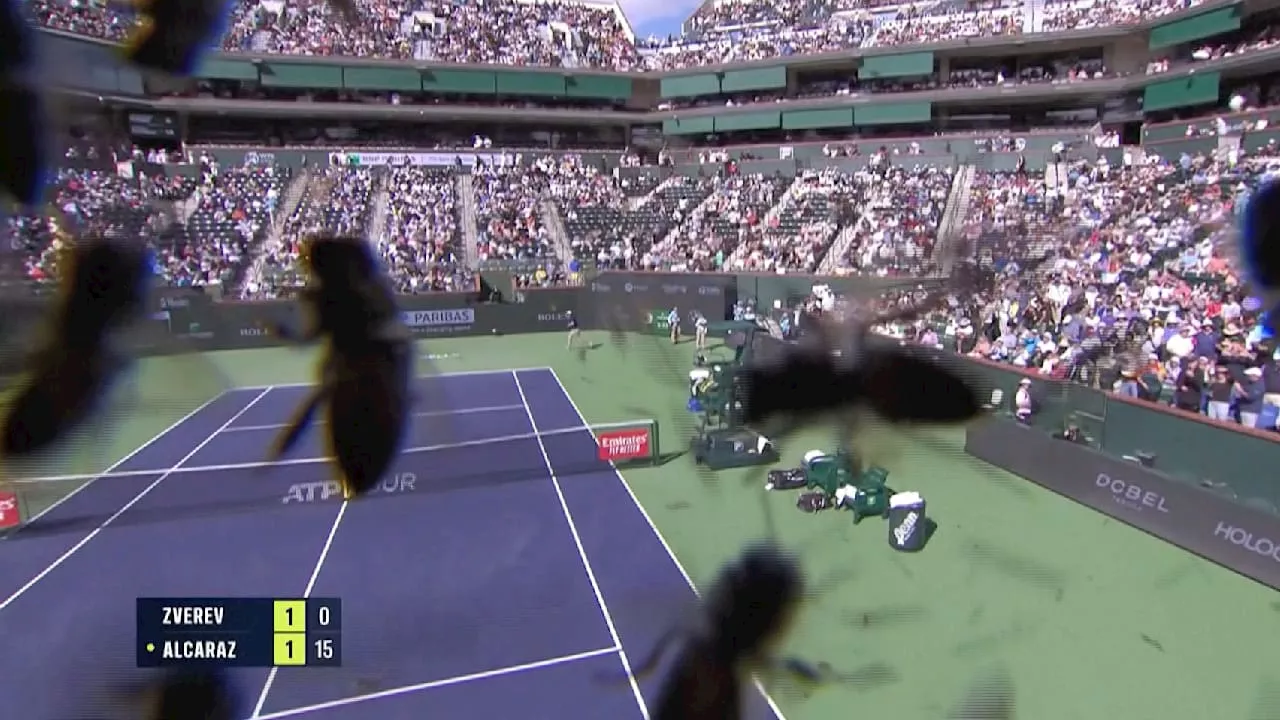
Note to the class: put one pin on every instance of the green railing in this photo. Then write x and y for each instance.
(1241, 463)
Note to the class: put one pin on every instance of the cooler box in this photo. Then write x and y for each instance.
(907, 523)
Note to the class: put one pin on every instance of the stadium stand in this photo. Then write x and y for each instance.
(421, 240)
(736, 210)
(898, 228)
(598, 36)
(233, 210)
(1134, 236)
(337, 201)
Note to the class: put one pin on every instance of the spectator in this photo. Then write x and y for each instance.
(1248, 393)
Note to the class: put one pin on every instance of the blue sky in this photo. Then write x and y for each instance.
(657, 17)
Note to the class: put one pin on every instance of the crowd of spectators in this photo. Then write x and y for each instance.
(898, 228)
(518, 202)
(736, 211)
(804, 225)
(421, 242)
(1138, 296)
(337, 201)
(85, 202)
(578, 35)
(509, 214)
(231, 209)
(913, 24)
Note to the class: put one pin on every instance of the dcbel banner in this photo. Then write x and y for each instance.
(1214, 527)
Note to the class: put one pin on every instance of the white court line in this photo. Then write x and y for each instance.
(85, 541)
(657, 533)
(393, 692)
(311, 585)
(89, 479)
(460, 373)
(434, 413)
(582, 554)
(293, 461)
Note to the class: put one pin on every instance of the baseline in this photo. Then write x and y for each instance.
(423, 414)
(257, 465)
(435, 684)
(443, 375)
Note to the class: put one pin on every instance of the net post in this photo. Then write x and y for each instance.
(655, 452)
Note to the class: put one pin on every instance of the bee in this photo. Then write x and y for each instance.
(743, 618)
(846, 373)
(105, 286)
(1258, 245)
(173, 36)
(365, 372)
(192, 695)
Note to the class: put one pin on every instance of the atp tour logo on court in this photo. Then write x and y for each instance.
(440, 320)
(323, 491)
(623, 444)
(9, 515)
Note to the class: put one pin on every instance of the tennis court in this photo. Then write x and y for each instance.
(471, 598)
(484, 589)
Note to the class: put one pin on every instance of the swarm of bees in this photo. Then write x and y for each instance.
(364, 379)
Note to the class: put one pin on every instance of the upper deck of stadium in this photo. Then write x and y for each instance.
(596, 35)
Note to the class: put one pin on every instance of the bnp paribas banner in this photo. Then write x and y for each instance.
(449, 321)
(244, 325)
(372, 159)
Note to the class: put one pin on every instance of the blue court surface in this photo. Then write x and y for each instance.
(502, 571)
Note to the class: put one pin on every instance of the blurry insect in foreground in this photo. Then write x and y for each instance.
(743, 618)
(191, 695)
(105, 285)
(1258, 244)
(897, 384)
(173, 36)
(26, 160)
(365, 373)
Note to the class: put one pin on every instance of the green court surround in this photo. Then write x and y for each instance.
(1090, 618)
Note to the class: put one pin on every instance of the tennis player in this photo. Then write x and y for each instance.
(673, 323)
(700, 332)
(572, 321)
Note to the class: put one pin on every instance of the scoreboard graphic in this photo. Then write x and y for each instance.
(239, 632)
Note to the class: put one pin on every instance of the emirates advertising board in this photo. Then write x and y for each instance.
(1236, 536)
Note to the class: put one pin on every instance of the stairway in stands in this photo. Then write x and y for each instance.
(470, 229)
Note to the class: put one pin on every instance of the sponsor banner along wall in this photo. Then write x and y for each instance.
(1237, 537)
(630, 301)
(195, 324)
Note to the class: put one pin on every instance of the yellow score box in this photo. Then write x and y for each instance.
(290, 616)
(290, 649)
